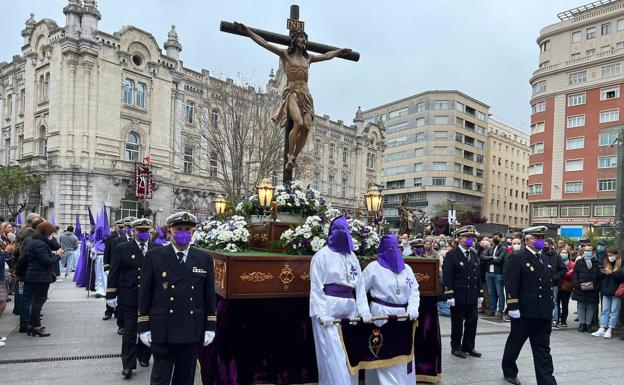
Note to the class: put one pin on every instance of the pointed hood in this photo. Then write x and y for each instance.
(91, 220)
(389, 255)
(161, 240)
(78, 229)
(339, 239)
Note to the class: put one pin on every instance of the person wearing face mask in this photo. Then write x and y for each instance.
(529, 297)
(177, 303)
(122, 291)
(565, 288)
(585, 279)
(559, 269)
(611, 277)
(336, 291)
(494, 259)
(460, 276)
(40, 272)
(429, 252)
(407, 250)
(418, 248)
(120, 230)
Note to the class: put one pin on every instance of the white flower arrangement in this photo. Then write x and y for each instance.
(293, 198)
(232, 235)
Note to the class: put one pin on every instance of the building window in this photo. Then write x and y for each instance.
(544, 211)
(399, 127)
(610, 70)
(420, 107)
(620, 25)
(129, 208)
(370, 161)
(417, 182)
(610, 116)
(317, 147)
(576, 36)
(440, 134)
(590, 33)
(576, 121)
(606, 184)
(575, 143)
(190, 111)
(609, 161)
(605, 29)
(619, 45)
(214, 164)
(330, 185)
(214, 118)
(397, 113)
(316, 180)
(420, 122)
(127, 95)
(441, 105)
(439, 181)
(419, 167)
(576, 99)
(590, 52)
(577, 77)
(605, 48)
(604, 210)
(9, 105)
(132, 147)
(575, 56)
(609, 93)
(43, 141)
(537, 148)
(46, 86)
(539, 87)
(440, 120)
(331, 152)
(188, 160)
(545, 46)
(607, 138)
(575, 211)
(439, 166)
(536, 169)
(574, 187)
(573, 165)
(538, 107)
(343, 188)
(140, 95)
(22, 105)
(420, 137)
(345, 155)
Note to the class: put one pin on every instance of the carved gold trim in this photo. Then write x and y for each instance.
(256, 277)
(305, 276)
(286, 276)
(420, 277)
(220, 268)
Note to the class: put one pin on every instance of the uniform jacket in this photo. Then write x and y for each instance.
(582, 273)
(528, 282)
(177, 301)
(461, 277)
(501, 253)
(108, 246)
(124, 275)
(41, 261)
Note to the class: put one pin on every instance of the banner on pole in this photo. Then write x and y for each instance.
(143, 180)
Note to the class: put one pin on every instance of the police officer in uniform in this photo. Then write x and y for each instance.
(123, 292)
(177, 303)
(462, 290)
(529, 298)
(119, 230)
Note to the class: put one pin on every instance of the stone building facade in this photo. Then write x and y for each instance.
(81, 106)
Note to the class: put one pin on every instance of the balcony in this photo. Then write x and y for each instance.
(581, 60)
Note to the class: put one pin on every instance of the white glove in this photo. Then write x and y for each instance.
(208, 337)
(366, 318)
(514, 313)
(326, 321)
(480, 301)
(112, 302)
(451, 301)
(413, 313)
(146, 338)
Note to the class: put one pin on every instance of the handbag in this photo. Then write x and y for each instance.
(619, 292)
(587, 286)
(565, 285)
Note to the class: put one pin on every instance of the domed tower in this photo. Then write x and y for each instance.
(90, 18)
(172, 45)
(73, 13)
(359, 121)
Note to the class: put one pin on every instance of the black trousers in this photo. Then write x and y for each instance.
(537, 331)
(177, 359)
(563, 299)
(40, 296)
(463, 327)
(131, 347)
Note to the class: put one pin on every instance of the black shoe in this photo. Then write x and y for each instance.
(127, 373)
(106, 317)
(513, 380)
(555, 325)
(474, 353)
(564, 325)
(144, 364)
(120, 331)
(459, 353)
(98, 295)
(24, 329)
(582, 328)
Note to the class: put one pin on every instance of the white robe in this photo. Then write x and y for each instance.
(382, 284)
(100, 276)
(328, 267)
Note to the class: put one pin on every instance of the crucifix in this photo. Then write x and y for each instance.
(296, 111)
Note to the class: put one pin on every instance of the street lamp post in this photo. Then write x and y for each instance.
(220, 204)
(451, 217)
(373, 199)
(265, 192)
(619, 203)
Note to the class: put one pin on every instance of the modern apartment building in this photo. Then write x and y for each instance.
(506, 200)
(576, 119)
(435, 150)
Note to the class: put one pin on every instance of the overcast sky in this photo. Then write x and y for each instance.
(485, 48)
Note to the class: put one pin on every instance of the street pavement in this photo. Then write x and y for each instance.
(84, 350)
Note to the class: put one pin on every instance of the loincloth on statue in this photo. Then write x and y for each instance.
(304, 101)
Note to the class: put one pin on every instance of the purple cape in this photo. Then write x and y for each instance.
(389, 255)
(339, 239)
(82, 273)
